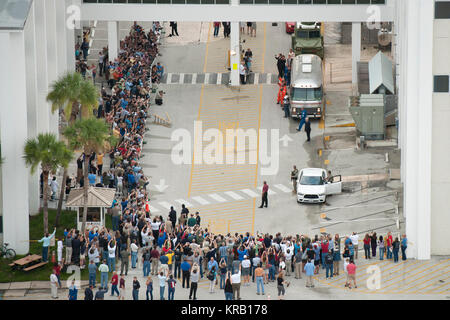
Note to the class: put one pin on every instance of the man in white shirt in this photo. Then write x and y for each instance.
(288, 255)
(355, 238)
(256, 261)
(246, 264)
(236, 284)
(134, 252)
(54, 285)
(242, 72)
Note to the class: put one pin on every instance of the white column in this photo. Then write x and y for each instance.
(41, 66)
(32, 102)
(419, 97)
(52, 56)
(356, 53)
(113, 40)
(61, 43)
(13, 123)
(403, 80)
(70, 43)
(236, 54)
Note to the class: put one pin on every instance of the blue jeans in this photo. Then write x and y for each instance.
(111, 264)
(161, 292)
(135, 294)
(381, 253)
(388, 253)
(171, 294)
(104, 280)
(222, 280)
(115, 223)
(403, 252)
(104, 255)
(329, 268)
(45, 254)
(114, 289)
(149, 292)
(146, 268)
(216, 31)
(92, 279)
(133, 259)
(302, 122)
(177, 271)
(228, 296)
(323, 260)
(272, 272)
(396, 255)
(259, 283)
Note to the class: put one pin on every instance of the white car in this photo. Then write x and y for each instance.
(313, 185)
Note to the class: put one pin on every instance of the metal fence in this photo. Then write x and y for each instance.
(252, 2)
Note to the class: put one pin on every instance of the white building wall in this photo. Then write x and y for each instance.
(440, 181)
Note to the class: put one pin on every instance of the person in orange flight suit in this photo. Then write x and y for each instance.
(281, 92)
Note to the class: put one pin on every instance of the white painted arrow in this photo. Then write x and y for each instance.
(161, 186)
(286, 139)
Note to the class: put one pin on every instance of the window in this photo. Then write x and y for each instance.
(307, 94)
(311, 181)
(441, 83)
(442, 10)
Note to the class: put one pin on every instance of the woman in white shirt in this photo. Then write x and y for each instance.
(119, 187)
(112, 255)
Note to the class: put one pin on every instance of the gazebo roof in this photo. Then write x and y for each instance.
(97, 197)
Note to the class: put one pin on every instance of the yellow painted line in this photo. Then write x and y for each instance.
(323, 230)
(207, 48)
(326, 138)
(326, 162)
(346, 125)
(323, 215)
(444, 291)
(432, 283)
(320, 152)
(407, 284)
(415, 274)
(396, 265)
(328, 102)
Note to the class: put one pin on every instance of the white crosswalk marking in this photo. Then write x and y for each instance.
(219, 78)
(153, 209)
(194, 78)
(269, 78)
(165, 205)
(233, 195)
(182, 201)
(216, 197)
(206, 78)
(169, 78)
(256, 78)
(181, 78)
(201, 200)
(282, 188)
(270, 192)
(251, 193)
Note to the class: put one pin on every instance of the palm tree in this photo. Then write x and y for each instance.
(72, 93)
(50, 153)
(92, 135)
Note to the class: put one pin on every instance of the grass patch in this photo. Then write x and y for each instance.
(67, 220)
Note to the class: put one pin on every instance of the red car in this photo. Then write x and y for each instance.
(290, 27)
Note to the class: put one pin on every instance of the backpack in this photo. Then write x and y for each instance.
(211, 276)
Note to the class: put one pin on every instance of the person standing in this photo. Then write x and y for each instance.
(171, 287)
(264, 198)
(92, 268)
(114, 283)
(309, 269)
(54, 285)
(155, 259)
(308, 129)
(355, 240)
(282, 92)
(242, 72)
(380, 243)
(136, 286)
(73, 292)
(228, 289)
(373, 244)
(298, 264)
(259, 273)
(389, 246)
(253, 30)
(195, 277)
(280, 285)
(336, 254)
(45, 244)
(174, 26)
(104, 270)
(173, 217)
(212, 275)
(134, 252)
(281, 62)
(366, 242)
(351, 271)
(303, 116)
(149, 291)
(88, 294)
(185, 269)
(404, 245)
(125, 258)
(162, 285)
(286, 106)
(216, 28)
(294, 177)
(101, 60)
(122, 287)
(395, 248)
(329, 263)
(197, 218)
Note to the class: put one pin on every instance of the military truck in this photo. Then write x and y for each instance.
(307, 39)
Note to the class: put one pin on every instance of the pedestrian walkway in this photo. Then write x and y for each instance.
(216, 78)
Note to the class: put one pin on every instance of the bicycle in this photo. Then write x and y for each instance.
(7, 252)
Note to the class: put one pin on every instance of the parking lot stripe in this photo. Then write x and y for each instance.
(233, 195)
(181, 78)
(219, 78)
(194, 78)
(282, 188)
(206, 78)
(201, 200)
(269, 78)
(256, 78)
(250, 193)
(216, 197)
(169, 78)
(182, 201)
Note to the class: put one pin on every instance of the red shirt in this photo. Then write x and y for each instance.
(366, 241)
(351, 268)
(115, 279)
(389, 241)
(265, 188)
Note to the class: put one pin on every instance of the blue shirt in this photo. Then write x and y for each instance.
(404, 242)
(304, 114)
(212, 264)
(242, 254)
(161, 240)
(73, 293)
(309, 269)
(92, 268)
(131, 178)
(164, 259)
(91, 178)
(185, 266)
(46, 240)
(92, 235)
(124, 205)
